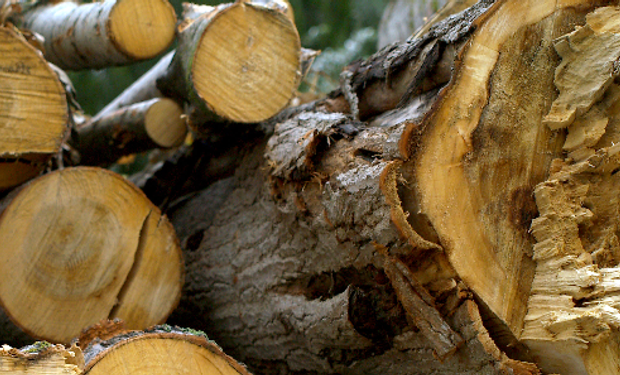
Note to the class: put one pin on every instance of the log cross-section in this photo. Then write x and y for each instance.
(33, 110)
(83, 244)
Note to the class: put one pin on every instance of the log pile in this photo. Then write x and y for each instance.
(80, 243)
(451, 209)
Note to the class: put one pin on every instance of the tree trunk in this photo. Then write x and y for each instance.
(75, 254)
(33, 119)
(101, 34)
(400, 237)
(139, 127)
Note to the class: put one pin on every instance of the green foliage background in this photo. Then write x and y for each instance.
(343, 29)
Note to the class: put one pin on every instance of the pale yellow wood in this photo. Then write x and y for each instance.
(246, 66)
(163, 350)
(152, 272)
(165, 124)
(155, 357)
(573, 320)
(53, 360)
(469, 177)
(70, 240)
(587, 67)
(33, 110)
(142, 28)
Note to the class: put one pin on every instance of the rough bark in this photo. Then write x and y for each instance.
(157, 123)
(76, 254)
(291, 282)
(101, 34)
(33, 119)
(372, 240)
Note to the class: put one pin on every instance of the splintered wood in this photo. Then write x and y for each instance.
(81, 245)
(41, 358)
(476, 158)
(573, 318)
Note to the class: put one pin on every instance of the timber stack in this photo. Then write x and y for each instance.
(452, 208)
(80, 243)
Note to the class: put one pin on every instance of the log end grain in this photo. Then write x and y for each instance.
(33, 110)
(142, 29)
(81, 245)
(161, 350)
(247, 64)
(165, 124)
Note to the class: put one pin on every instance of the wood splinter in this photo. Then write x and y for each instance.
(419, 305)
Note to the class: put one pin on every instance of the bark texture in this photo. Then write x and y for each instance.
(387, 227)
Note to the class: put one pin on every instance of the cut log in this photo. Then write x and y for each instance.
(224, 66)
(83, 244)
(101, 34)
(41, 358)
(160, 350)
(33, 110)
(157, 123)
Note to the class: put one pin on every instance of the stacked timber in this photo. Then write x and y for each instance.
(81, 244)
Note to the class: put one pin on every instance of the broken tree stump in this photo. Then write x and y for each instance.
(101, 34)
(445, 153)
(34, 112)
(83, 244)
(156, 123)
(160, 350)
